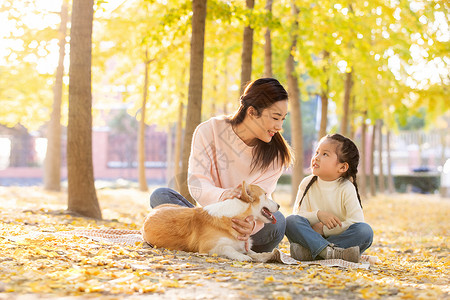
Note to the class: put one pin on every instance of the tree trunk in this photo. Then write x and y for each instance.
(141, 139)
(81, 191)
(215, 94)
(178, 147)
(247, 51)
(194, 107)
(443, 134)
(170, 162)
(52, 162)
(296, 127)
(346, 105)
(225, 87)
(323, 114)
(324, 98)
(389, 163)
(352, 133)
(380, 156)
(268, 45)
(372, 162)
(363, 176)
(296, 119)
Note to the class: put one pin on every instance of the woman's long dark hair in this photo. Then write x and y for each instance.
(347, 152)
(260, 94)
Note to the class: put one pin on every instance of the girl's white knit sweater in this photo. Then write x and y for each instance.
(337, 197)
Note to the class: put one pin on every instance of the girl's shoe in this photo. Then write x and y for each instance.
(349, 254)
(300, 253)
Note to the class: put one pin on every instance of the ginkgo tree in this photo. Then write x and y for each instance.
(159, 55)
(82, 196)
(373, 59)
(347, 49)
(52, 162)
(26, 79)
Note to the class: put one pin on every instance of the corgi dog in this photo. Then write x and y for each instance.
(208, 229)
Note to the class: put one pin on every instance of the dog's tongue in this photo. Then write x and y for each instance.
(274, 221)
(271, 216)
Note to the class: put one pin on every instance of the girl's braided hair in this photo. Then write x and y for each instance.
(347, 152)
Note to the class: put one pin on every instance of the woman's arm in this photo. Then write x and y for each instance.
(202, 168)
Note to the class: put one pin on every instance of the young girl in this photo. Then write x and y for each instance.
(328, 221)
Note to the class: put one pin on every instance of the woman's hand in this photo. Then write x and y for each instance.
(231, 193)
(244, 228)
(328, 219)
(318, 227)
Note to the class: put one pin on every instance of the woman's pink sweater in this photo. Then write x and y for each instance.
(221, 160)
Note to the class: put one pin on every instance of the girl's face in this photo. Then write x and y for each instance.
(325, 163)
(264, 126)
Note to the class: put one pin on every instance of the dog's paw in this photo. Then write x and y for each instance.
(261, 257)
(239, 256)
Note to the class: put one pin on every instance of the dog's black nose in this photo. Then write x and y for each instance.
(278, 206)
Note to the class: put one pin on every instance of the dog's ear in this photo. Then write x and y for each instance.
(245, 193)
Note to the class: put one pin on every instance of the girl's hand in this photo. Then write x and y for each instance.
(318, 227)
(231, 193)
(244, 228)
(328, 219)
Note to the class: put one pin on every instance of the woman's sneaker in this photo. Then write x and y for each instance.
(300, 253)
(349, 254)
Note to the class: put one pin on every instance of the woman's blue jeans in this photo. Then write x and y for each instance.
(264, 240)
(299, 230)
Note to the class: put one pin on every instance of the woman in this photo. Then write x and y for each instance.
(246, 146)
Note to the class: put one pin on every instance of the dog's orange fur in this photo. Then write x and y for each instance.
(196, 230)
(188, 229)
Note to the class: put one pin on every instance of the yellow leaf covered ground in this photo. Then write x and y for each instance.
(411, 240)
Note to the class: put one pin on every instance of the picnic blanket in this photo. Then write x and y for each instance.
(134, 238)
